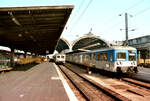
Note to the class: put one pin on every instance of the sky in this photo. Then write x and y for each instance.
(102, 16)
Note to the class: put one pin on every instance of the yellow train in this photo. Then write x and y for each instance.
(144, 62)
(19, 59)
(23, 61)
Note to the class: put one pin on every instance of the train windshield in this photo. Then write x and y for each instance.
(58, 56)
(62, 57)
(121, 56)
(132, 57)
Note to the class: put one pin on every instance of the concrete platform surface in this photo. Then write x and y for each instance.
(39, 83)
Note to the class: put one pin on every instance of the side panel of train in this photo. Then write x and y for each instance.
(105, 60)
(110, 60)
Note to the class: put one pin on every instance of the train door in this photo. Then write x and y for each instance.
(106, 63)
(111, 64)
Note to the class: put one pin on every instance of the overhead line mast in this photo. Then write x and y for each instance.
(126, 28)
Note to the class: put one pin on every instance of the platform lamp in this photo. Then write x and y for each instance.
(14, 19)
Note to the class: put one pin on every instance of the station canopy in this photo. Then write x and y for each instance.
(89, 42)
(33, 29)
(63, 44)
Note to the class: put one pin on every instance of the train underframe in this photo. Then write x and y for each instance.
(127, 70)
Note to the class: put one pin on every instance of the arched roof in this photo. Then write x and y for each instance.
(89, 42)
(63, 44)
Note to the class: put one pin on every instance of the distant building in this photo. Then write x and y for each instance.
(142, 44)
(116, 43)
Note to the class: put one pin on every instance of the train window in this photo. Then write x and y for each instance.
(132, 56)
(98, 58)
(105, 56)
(87, 57)
(90, 56)
(101, 57)
(84, 57)
(121, 56)
(111, 56)
(62, 56)
(58, 56)
(93, 57)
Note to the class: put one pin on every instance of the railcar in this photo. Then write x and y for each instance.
(122, 59)
(60, 58)
(5, 62)
(144, 62)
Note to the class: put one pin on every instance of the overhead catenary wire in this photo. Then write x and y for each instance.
(78, 19)
(127, 9)
(142, 11)
(114, 17)
(80, 5)
(84, 10)
(139, 2)
(134, 5)
(139, 13)
(113, 26)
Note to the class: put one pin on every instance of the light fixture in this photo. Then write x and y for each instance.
(14, 19)
(19, 35)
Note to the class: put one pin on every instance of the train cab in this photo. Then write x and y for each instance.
(60, 58)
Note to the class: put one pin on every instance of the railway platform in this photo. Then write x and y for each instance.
(42, 82)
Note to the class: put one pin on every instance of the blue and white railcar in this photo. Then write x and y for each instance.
(117, 59)
(114, 59)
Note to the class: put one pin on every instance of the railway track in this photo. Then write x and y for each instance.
(127, 87)
(90, 89)
(138, 88)
(136, 83)
(129, 79)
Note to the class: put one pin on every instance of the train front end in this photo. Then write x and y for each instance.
(60, 58)
(126, 60)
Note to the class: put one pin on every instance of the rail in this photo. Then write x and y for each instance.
(89, 88)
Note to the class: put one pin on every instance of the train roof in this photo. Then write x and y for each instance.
(117, 48)
(59, 54)
(123, 48)
(104, 49)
